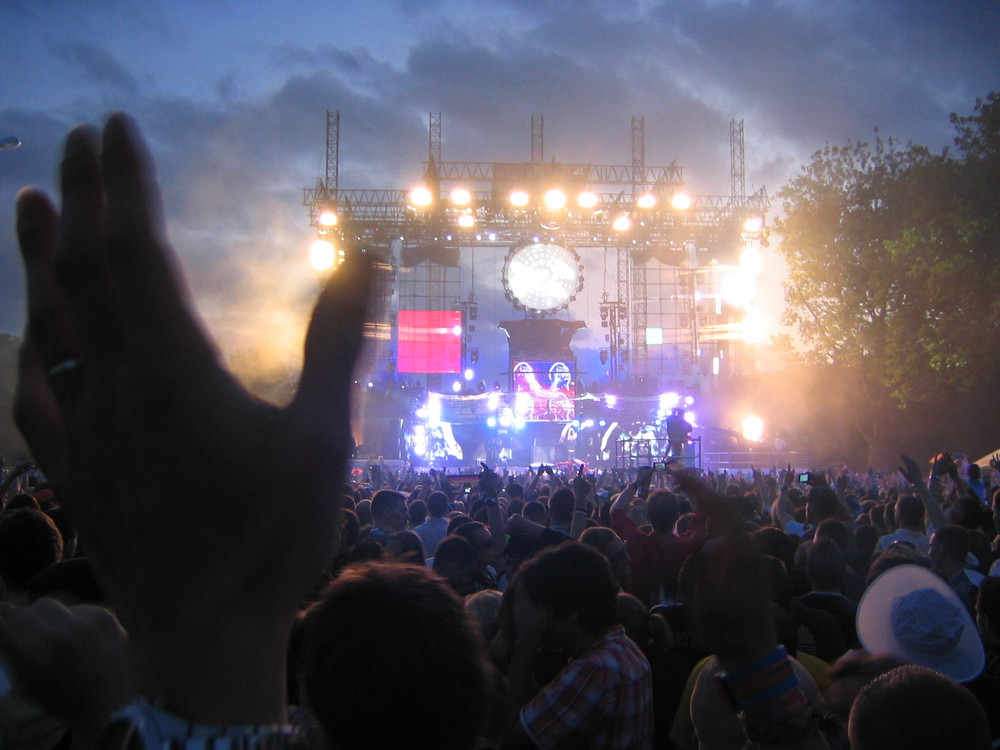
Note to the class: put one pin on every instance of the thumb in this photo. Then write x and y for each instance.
(334, 341)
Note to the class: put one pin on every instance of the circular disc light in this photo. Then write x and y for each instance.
(542, 277)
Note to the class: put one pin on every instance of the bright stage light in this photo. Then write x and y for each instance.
(586, 199)
(434, 409)
(468, 374)
(493, 400)
(622, 223)
(754, 328)
(420, 197)
(751, 262)
(646, 200)
(456, 386)
(737, 288)
(491, 421)
(554, 199)
(669, 401)
(461, 197)
(519, 198)
(611, 400)
(681, 201)
(328, 218)
(456, 330)
(753, 428)
(466, 221)
(689, 400)
(322, 255)
(753, 224)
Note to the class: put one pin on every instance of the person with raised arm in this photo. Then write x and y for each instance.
(129, 412)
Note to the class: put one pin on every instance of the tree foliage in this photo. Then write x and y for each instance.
(892, 254)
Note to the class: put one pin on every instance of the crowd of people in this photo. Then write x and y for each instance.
(190, 568)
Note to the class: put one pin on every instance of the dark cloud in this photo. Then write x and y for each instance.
(235, 155)
(97, 66)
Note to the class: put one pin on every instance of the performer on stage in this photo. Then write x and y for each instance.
(678, 430)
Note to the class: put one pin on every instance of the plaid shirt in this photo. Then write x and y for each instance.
(603, 699)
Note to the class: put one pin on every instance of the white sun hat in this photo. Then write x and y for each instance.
(911, 612)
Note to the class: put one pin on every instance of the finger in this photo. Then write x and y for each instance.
(81, 263)
(48, 338)
(333, 343)
(37, 413)
(143, 269)
(49, 327)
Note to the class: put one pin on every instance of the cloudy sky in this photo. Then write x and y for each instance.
(233, 95)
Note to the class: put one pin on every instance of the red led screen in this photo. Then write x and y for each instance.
(428, 342)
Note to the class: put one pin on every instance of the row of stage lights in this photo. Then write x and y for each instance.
(553, 201)
(324, 255)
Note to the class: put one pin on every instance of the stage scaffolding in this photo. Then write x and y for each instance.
(670, 319)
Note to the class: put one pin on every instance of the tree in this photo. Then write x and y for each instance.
(891, 253)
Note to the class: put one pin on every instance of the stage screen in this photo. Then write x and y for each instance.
(430, 341)
(544, 390)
